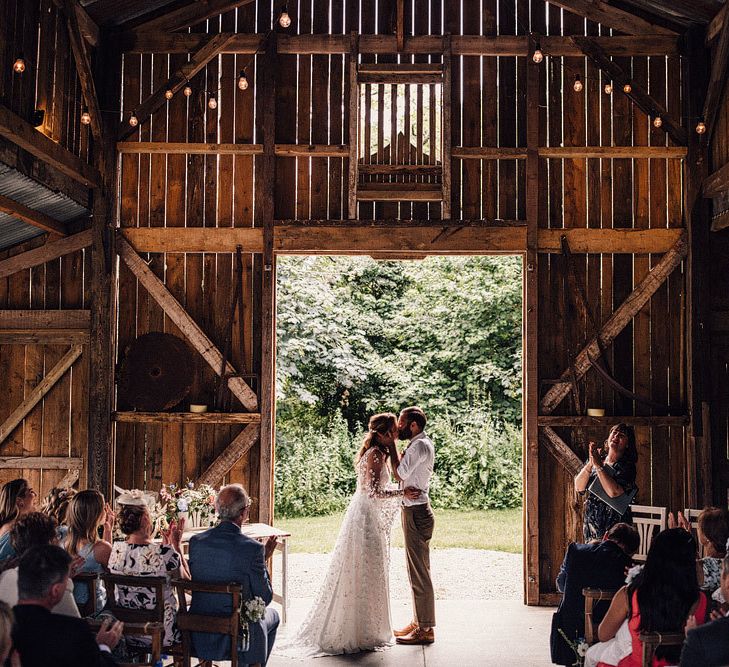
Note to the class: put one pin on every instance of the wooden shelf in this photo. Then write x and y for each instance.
(641, 420)
(188, 417)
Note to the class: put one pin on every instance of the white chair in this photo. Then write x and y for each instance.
(649, 521)
(692, 516)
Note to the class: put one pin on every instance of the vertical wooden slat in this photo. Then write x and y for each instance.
(353, 128)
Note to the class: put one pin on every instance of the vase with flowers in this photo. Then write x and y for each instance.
(195, 504)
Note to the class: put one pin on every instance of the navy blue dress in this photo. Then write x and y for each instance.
(598, 517)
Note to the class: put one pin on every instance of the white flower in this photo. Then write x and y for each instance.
(182, 505)
(633, 572)
(255, 609)
(582, 649)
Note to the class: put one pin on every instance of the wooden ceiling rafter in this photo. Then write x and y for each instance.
(31, 216)
(611, 17)
(45, 253)
(637, 94)
(87, 26)
(189, 15)
(717, 82)
(212, 48)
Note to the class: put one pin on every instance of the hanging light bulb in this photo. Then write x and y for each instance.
(187, 91)
(19, 64)
(133, 120)
(537, 56)
(657, 121)
(169, 94)
(85, 116)
(701, 127)
(284, 20)
(242, 80)
(578, 84)
(627, 89)
(608, 88)
(212, 102)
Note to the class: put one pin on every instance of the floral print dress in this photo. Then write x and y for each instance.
(147, 560)
(599, 517)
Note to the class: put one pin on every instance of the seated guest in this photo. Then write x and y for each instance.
(138, 556)
(86, 513)
(223, 555)
(662, 598)
(42, 638)
(16, 499)
(34, 530)
(55, 504)
(6, 640)
(595, 565)
(708, 645)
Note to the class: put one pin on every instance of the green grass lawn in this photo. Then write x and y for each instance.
(497, 530)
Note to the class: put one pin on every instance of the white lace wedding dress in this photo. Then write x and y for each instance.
(351, 611)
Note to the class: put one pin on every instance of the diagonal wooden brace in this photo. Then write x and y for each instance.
(189, 328)
(233, 453)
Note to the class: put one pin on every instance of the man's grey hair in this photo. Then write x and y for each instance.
(231, 501)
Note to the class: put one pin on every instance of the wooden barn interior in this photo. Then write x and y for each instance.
(157, 156)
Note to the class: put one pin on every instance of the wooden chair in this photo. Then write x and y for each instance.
(692, 516)
(652, 640)
(188, 623)
(152, 630)
(91, 581)
(649, 521)
(593, 596)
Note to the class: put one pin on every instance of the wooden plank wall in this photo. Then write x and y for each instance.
(489, 109)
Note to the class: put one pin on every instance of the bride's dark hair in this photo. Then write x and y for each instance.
(378, 425)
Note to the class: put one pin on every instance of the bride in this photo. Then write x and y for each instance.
(351, 611)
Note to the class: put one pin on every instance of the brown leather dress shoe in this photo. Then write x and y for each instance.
(417, 636)
(406, 630)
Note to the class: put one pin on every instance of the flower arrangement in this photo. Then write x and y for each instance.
(196, 504)
(579, 646)
(251, 611)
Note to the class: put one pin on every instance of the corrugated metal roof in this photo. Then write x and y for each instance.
(25, 190)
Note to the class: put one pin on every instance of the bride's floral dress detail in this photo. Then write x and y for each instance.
(351, 611)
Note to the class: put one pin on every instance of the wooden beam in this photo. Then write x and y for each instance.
(44, 253)
(312, 150)
(41, 462)
(462, 45)
(629, 241)
(189, 15)
(631, 420)
(447, 129)
(44, 337)
(717, 183)
(400, 25)
(32, 217)
(612, 17)
(376, 194)
(176, 82)
(353, 120)
(638, 95)
(570, 152)
(189, 328)
(616, 323)
(69, 479)
(43, 387)
(23, 134)
(187, 417)
(44, 319)
(714, 29)
(194, 239)
(560, 450)
(233, 453)
(83, 67)
(717, 82)
(185, 148)
(88, 28)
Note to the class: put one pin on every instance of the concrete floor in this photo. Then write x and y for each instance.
(469, 633)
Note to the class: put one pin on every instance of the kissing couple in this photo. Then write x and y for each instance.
(351, 611)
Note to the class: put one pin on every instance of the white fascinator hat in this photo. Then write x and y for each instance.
(135, 497)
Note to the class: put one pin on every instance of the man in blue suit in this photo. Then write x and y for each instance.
(224, 555)
(594, 565)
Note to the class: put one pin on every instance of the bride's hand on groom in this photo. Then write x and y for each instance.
(411, 493)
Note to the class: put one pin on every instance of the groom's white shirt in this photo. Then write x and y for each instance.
(416, 468)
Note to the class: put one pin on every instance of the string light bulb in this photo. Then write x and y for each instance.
(284, 20)
(19, 64)
(85, 116)
(187, 91)
(169, 94)
(608, 88)
(627, 89)
(578, 84)
(133, 120)
(212, 102)
(242, 80)
(657, 121)
(537, 56)
(701, 127)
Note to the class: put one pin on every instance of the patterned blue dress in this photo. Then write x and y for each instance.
(598, 517)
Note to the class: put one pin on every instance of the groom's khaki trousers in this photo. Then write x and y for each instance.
(417, 525)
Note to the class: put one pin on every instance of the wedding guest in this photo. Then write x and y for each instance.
(55, 504)
(664, 597)
(6, 640)
(708, 645)
(34, 530)
(86, 513)
(223, 555)
(139, 556)
(42, 638)
(594, 565)
(16, 498)
(614, 466)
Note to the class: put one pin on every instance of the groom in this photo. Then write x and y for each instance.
(415, 470)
